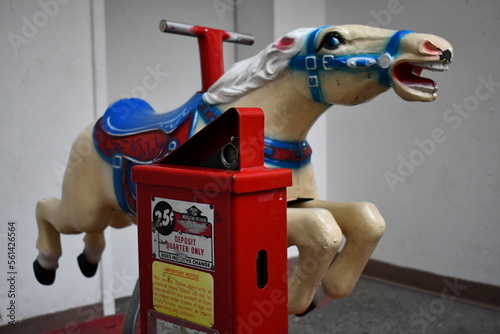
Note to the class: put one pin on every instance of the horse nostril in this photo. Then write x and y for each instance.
(428, 48)
(446, 55)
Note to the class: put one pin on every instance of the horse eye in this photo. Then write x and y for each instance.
(331, 41)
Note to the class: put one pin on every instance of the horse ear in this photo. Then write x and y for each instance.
(285, 43)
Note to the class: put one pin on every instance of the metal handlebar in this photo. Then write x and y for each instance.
(194, 31)
(210, 42)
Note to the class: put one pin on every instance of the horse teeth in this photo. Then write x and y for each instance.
(432, 66)
(424, 88)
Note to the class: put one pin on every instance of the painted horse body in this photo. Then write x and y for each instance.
(293, 80)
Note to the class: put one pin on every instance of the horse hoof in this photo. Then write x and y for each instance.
(44, 276)
(309, 309)
(88, 269)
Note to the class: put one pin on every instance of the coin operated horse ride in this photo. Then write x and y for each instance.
(293, 80)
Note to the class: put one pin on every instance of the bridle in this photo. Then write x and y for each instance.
(313, 63)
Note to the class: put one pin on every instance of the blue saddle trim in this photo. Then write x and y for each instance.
(122, 179)
(127, 119)
(208, 112)
(128, 116)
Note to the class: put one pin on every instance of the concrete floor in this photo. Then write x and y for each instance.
(377, 308)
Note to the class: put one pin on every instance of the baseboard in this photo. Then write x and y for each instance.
(479, 294)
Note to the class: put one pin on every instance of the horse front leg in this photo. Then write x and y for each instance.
(363, 226)
(317, 237)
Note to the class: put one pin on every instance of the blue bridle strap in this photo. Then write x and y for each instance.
(313, 63)
(390, 52)
(311, 66)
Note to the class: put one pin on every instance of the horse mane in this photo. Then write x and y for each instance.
(254, 72)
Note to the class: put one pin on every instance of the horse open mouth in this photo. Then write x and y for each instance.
(406, 76)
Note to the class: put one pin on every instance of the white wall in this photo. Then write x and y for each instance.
(46, 98)
(444, 217)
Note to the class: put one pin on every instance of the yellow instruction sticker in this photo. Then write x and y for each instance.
(183, 293)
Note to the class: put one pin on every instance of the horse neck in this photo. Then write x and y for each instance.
(288, 113)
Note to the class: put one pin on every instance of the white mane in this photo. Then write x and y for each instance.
(252, 73)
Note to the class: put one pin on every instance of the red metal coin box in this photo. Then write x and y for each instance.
(212, 242)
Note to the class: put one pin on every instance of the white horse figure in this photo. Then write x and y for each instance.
(294, 80)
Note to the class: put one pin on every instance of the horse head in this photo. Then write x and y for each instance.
(351, 64)
(308, 70)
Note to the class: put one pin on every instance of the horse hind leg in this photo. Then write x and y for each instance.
(48, 242)
(88, 260)
(95, 242)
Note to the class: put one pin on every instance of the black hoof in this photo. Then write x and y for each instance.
(44, 276)
(88, 269)
(309, 309)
